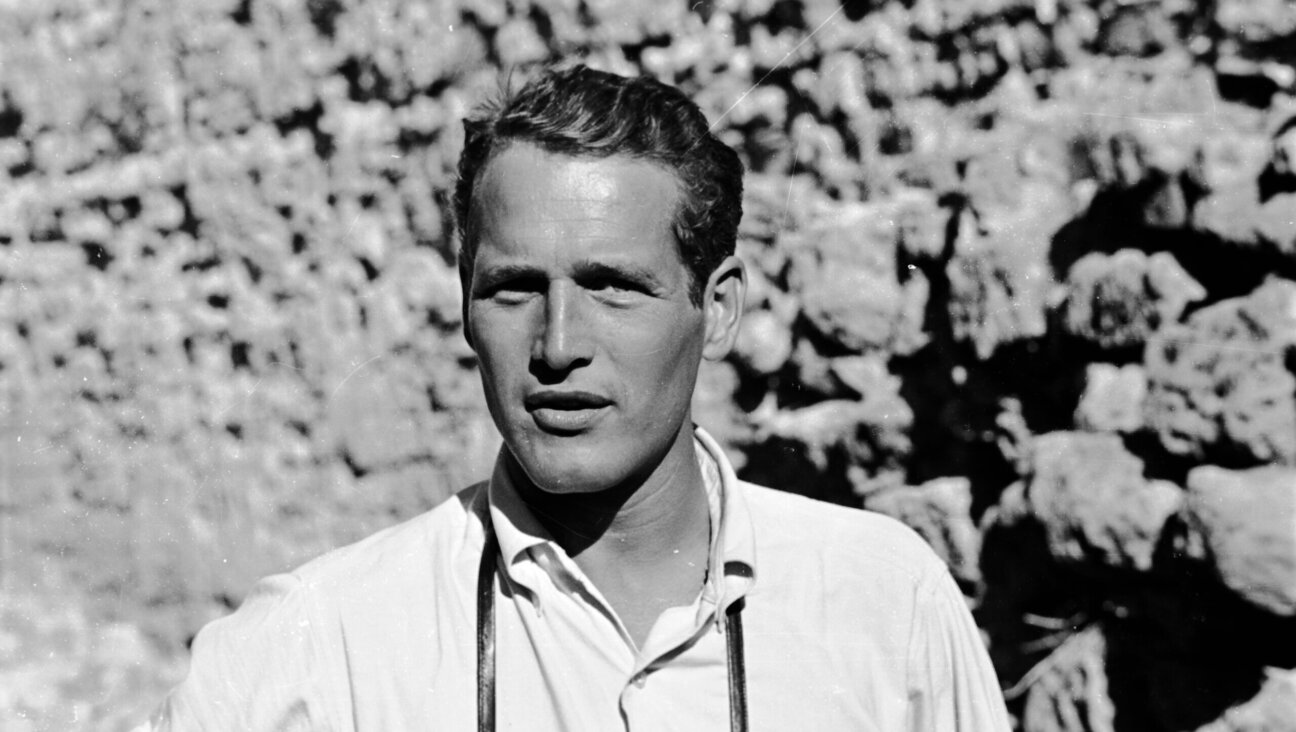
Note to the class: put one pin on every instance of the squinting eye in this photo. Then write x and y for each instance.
(615, 285)
(510, 291)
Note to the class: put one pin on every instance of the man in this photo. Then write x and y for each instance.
(613, 573)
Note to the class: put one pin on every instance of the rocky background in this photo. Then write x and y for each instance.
(1024, 275)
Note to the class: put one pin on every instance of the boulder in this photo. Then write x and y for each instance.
(1068, 691)
(1239, 217)
(999, 276)
(1255, 21)
(869, 432)
(764, 343)
(1275, 224)
(1113, 398)
(994, 300)
(374, 416)
(1271, 710)
(1219, 387)
(844, 270)
(1118, 300)
(1090, 496)
(1230, 214)
(1247, 519)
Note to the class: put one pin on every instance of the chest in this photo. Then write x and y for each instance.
(566, 667)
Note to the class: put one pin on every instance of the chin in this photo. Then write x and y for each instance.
(558, 481)
(571, 471)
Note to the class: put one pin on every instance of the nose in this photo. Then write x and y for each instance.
(562, 343)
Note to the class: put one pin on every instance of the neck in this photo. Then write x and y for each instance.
(644, 545)
(659, 513)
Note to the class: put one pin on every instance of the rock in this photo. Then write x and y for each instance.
(1271, 710)
(864, 376)
(839, 85)
(1282, 155)
(999, 276)
(812, 372)
(1118, 300)
(1247, 519)
(1237, 216)
(993, 301)
(940, 511)
(398, 493)
(518, 43)
(1112, 399)
(764, 343)
(922, 224)
(1089, 494)
(1227, 163)
(816, 429)
(62, 667)
(1219, 387)
(714, 408)
(373, 415)
(1137, 31)
(774, 205)
(844, 270)
(424, 290)
(871, 432)
(1068, 691)
(1275, 224)
(1256, 21)
(1230, 214)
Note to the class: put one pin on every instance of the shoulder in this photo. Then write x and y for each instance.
(283, 658)
(786, 524)
(418, 546)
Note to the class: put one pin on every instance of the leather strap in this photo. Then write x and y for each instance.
(486, 573)
(737, 668)
(486, 634)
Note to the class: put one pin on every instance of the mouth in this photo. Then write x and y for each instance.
(565, 412)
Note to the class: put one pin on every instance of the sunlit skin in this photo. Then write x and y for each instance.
(577, 305)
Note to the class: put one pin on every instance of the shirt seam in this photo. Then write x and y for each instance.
(315, 620)
(924, 590)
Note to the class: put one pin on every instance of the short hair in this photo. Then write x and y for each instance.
(585, 113)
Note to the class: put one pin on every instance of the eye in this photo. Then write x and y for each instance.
(617, 290)
(511, 290)
(615, 284)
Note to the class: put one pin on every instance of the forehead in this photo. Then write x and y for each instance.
(526, 195)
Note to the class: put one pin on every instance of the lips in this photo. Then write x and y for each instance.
(565, 412)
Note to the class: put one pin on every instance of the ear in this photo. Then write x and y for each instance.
(722, 305)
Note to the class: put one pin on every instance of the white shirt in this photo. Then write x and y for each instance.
(851, 623)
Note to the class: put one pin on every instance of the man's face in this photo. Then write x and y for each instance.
(578, 308)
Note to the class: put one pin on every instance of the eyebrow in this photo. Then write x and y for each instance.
(583, 269)
(503, 272)
(632, 272)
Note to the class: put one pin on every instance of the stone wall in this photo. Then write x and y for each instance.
(1023, 275)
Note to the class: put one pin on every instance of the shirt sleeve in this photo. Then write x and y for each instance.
(952, 685)
(258, 669)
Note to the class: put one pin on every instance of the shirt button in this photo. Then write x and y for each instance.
(640, 679)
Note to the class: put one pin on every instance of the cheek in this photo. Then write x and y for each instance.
(500, 349)
(649, 335)
(662, 358)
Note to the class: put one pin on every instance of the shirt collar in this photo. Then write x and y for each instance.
(732, 546)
